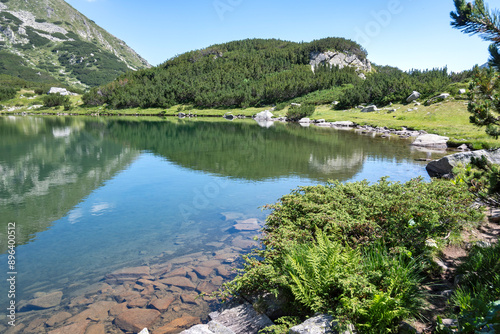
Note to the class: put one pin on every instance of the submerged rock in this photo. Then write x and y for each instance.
(135, 320)
(44, 302)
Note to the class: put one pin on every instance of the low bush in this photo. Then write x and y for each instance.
(55, 100)
(356, 251)
(7, 93)
(296, 113)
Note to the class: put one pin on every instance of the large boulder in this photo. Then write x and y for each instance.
(430, 140)
(369, 108)
(444, 166)
(265, 115)
(415, 95)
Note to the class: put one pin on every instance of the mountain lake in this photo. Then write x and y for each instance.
(110, 213)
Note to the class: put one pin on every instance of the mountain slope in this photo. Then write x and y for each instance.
(40, 39)
(240, 73)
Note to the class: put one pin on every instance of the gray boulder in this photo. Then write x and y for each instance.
(265, 115)
(305, 120)
(430, 140)
(444, 166)
(415, 95)
(461, 91)
(320, 324)
(242, 319)
(369, 108)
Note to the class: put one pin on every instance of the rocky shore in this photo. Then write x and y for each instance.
(167, 295)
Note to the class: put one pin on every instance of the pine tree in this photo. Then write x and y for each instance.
(476, 18)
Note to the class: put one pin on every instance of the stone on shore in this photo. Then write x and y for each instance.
(320, 324)
(242, 319)
(431, 140)
(134, 320)
(341, 124)
(265, 115)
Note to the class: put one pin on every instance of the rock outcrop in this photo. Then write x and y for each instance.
(341, 60)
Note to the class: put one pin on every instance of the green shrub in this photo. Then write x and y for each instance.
(356, 251)
(55, 100)
(295, 113)
(7, 93)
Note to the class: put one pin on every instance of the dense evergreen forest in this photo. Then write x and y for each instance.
(257, 72)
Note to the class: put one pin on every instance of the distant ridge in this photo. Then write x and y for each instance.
(47, 40)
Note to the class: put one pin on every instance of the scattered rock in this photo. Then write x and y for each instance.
(462, 91)
(415, 95)
(305, 120)
(134, 320)
(369, 108)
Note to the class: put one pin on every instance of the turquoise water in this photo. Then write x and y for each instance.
(91, 196)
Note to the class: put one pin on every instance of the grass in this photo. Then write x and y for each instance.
(448, 118)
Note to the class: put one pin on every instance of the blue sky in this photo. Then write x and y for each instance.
(403, 33)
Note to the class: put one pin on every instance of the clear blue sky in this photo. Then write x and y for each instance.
(403, 33)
